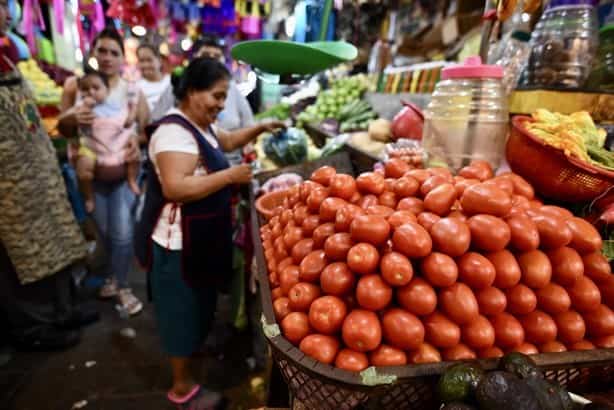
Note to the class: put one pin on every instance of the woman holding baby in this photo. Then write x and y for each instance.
(103, 110)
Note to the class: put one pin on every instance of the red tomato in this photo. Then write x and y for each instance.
(367, 201)
(326, 314)
(380, 210)
(605, 342)
(460, 184)
(521, 300)
(489, 233)
(440, 199)
(521, 186)
(306, 188)
(525, 348)
(458, 215)
(479, 333)
(315, 199)
(351, 361)
(412, 240)
(503, 183)
(552, 347)
(459, 303)
(370, 228)
(323, 175)
(427, 220)
(281, 308)
(396, 269)
(476, 271)
(571, 327)
(441, 331)
(442, 171)
(553, 231)
(424, 354)
(472, 172)
(567, 266)
(389, 199)
(372, 293)
(285, 217)
(321, 347)
(419, 175)
(337, 246)
(431, 183)
(553, 299)
(418, 297)
(370, 183)
(292, 236)
(439, 269)
(600, 322)
(536, 269)
(399, 218)
(312, 265)
(491, 301)
(302, 295)
(284, 264)
(411, 204)
(490, 353)
(402, 329)
(321, 233)
(582, 345)
(337, 279)
(310, 224)
(363, 258)
(329, 208)
(451, 236)
(361, 331)
(387, 356)
(584, 237)
(458, 352)
(405, 187)
(288, 277)
(506, 267)
(585, 295)
(485, 199)
(508, 331)
(355, 198)
(276, 293)
(301, 249)
(597, 267)
(346, 215)
(524, 234)
(295, 326)
(556, 211)
(300, 214)
(274, 279)
(396, 167)
(342, 186)
(539, 327)
(389, 184)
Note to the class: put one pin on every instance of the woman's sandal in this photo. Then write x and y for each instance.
(198, 399)
(129, 303)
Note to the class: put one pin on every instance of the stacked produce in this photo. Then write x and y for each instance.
(419, 266)
(286, 147)
(355, 116)
(46, 91)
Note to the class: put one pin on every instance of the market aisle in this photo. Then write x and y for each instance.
(123, 374)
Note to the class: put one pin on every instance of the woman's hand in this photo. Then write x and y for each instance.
(240, 174)
(273, 126)
(84, 115)
(133, 154)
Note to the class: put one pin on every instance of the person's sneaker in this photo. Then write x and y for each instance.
(128, 302)
(49, 339)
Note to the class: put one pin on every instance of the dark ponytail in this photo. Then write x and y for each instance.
(201, 74)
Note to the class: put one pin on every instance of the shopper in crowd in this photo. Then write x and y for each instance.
(40, 240)
(114, 199)
(153, 81)
(187, 218)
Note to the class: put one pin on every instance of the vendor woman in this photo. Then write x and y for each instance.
(187, 215)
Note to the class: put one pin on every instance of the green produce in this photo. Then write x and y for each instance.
(459, 383)
(520, 365)
(280, 111)
(332, 146)
(458, 406)
(287, 147)
(546, 393)
(504, 391)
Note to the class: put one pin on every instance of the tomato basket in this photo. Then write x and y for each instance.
(550, 171)
(314, 385)
(267, 203)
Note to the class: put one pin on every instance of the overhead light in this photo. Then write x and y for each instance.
(164, 49)
(92, 62)
(139, 31)
(186, 44)
(525, 17)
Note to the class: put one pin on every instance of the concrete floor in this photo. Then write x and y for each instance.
(123, 374)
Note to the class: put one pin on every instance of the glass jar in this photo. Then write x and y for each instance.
(467, 117)
(602, 75)
(563, 44)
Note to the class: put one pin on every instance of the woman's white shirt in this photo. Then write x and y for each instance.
(154, 89)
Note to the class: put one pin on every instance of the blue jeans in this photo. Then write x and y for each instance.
(115, 219)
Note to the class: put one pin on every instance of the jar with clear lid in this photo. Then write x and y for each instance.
(467, 117)
(563, 44)
(602, 75)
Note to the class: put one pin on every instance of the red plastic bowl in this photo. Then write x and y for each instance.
(267, 203)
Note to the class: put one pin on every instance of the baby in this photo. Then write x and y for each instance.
(102, 145)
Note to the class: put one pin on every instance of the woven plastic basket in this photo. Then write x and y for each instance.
(551, 173)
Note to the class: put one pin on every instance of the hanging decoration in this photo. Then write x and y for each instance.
(58, 14)
(89, 22)
(134, 12)
(32, 19)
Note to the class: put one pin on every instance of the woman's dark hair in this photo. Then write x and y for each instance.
(149, 46)
(201, 74)
(111, 34)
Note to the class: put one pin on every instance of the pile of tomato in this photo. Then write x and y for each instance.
(418, 265)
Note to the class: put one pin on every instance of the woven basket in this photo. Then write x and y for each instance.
(550, 171)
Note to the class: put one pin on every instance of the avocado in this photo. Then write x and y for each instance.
(458, 406)
(546, 393)
(520, 365)
(504, 391)
(566, 401)
(459, 382)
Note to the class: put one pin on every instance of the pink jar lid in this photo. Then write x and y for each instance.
(472, 68)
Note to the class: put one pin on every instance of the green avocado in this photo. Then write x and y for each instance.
(459, 382)
(520, 365)
(546, 393)
(504, 391)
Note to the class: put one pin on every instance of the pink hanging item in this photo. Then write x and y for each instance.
(32, 18)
